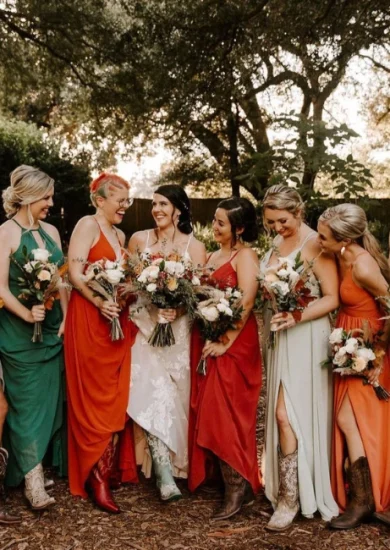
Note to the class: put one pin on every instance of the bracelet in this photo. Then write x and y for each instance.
(297, 315)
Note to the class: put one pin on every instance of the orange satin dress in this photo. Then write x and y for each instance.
(372, 415)
(98, 379)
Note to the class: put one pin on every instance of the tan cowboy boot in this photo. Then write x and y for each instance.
(35, 489)
(288, 496)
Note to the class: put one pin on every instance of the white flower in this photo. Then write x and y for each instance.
(150, 273)
(340, 358)
(114, 276)
(228, 291)
(28, 267)
(195, 281)
(110, 265)
(359, 364)
(224, 302)
(179, 269)
(351, 345)
(151, 287)
(366, 353)
(283, 273)
(44, 275)
(336, 336)
(228, 312)
(281, 287)
(294, 277)
(210, 313)
(222, 307)
(40, 254)
(237, 294)
(170, 267)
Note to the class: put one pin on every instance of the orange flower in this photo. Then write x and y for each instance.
(172, 284)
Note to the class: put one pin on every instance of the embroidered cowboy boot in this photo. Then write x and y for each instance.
(237, 493)
(162, 467)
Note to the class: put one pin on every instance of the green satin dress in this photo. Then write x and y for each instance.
(33, 375)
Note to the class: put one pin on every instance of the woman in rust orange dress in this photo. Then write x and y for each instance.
(98, 369)
(361, 429)
(224, 402)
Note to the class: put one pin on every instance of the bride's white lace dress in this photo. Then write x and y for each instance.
(160, 389)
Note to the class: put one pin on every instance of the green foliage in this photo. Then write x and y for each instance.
(22, 143)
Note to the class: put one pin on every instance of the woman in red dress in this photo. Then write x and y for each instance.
(224, 402)
(98, 369)
(361, 428)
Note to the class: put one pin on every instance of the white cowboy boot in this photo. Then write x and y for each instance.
(35, 489)
(162, 467)
(288, 496)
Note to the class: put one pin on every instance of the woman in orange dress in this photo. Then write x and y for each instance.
(361, 429)
(98, 369)
(224, 402)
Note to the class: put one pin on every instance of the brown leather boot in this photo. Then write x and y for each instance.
(384, 517)
(361, 504)
(237, 493)
(5, 517)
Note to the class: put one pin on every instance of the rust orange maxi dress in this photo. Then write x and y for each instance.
(98, 379)
(372, 416)
(223, 403)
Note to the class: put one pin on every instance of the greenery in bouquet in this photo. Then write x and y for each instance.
(168, 282)
(219, 312)
(285, 287)
(104, 278)
(40, 282)
(354, 353)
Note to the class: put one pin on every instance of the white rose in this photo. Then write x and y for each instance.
(228, 312)
(222, 307)
(359, 364)
(294, 277)
(224, 302)
(44, 275)
(229, 291)
(237, 294)
(195, 281)
(142, 278)
(40, 254)
(366, 353)
(28, 267)
(151, 287)
(351, 345)
(336, 336)
(152, 272)
(282, 273)
(281, 287)
(340, 358)
(110, 265)
(170, 267)
(210, 313)
(114, 276)
(179, 268)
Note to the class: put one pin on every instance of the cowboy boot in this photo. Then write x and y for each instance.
(35, 490)
(361, 504)
(5, 517)
(384, 517)
(162, 467)
(237, 493)
(287, 507)
(98, 482)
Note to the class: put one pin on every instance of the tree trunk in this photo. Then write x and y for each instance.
(232, 131)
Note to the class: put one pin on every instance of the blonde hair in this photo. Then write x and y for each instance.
(28, 185)
(104, 183)
(282, 197)
(349, 221)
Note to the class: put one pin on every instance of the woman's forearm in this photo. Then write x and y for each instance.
(320, 308)
(12, 304)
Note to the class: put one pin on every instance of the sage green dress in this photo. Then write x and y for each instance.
(33, 375)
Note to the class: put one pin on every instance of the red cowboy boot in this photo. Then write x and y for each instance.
(98, 482)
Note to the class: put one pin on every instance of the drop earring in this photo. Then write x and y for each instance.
(342, 251)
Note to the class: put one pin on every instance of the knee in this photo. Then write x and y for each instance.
(344, 422)
(282, 418)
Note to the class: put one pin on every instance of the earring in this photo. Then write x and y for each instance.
(342, 251)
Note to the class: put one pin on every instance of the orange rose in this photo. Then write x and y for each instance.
(172, 284)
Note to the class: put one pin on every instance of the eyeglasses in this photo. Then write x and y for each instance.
(125, 202)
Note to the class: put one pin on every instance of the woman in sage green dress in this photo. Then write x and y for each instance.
(32, 371)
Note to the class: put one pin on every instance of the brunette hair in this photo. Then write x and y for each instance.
(179, 198)
(349, 221)
(242, 215)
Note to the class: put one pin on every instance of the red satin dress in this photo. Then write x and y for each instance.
(223, 403)
(372, 415)
(98, 380)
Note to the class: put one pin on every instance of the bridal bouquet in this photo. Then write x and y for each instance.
(220, 312)
(40, 282)
(169, 283)
(353, 354)
(286, 287)
(104, 278)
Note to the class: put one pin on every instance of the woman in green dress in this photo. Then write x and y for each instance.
(33, 371)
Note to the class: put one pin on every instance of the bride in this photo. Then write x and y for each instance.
(160, 377)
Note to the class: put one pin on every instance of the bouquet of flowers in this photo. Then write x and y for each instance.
(353, 354)
(286, 287)
(40, 282)
(220, 312)
(168, 282)
(104, 278)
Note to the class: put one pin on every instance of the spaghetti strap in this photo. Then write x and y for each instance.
(234, 255)
(147, 238)
(188, 243)
(307, 238)
(18, 224)
(209, 257)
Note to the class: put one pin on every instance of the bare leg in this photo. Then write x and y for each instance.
(3, 412)
(287, 439)
(346, 421)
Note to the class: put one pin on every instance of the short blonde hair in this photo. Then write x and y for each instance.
(104, 183)
(282, 197)
(28, 185)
